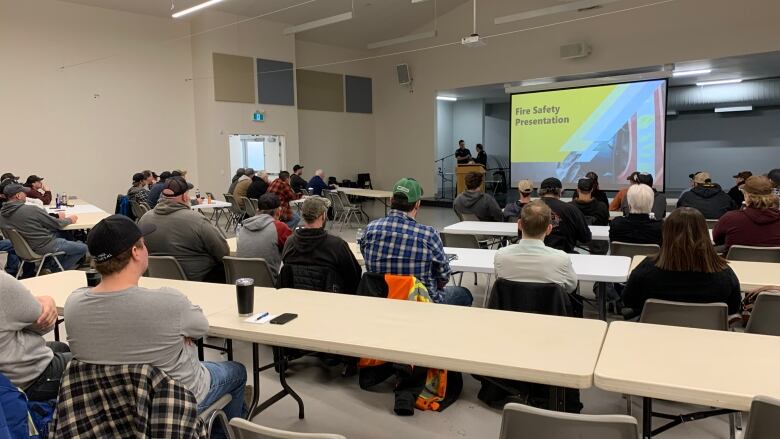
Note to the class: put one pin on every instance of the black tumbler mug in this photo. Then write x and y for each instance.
(245, 295)
(93, 278)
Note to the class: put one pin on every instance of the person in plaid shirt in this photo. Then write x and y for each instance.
(397, 244)
(281, 187)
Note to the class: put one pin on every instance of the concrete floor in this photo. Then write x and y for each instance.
(337, 405)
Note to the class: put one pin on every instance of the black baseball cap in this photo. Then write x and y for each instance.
(694, 174)
(164, 175)
(297, 167)
(644, 178)
(138, 176)
(33, 179)
(176, 186)
(114, 235)
(585, 184)
(632, 176)
(8, 175)
(551, 183)
(268, 201)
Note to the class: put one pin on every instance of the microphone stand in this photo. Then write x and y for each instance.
(441, 171)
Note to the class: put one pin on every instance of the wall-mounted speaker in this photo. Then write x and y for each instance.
(403, 73)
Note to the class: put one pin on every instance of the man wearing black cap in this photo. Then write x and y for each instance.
(39, 229)
(263, 236)
(297, 183)
(138, 191)
(735, 193)
(39, 190)
(569, 224)
(186, 235)
(596, 212)
(119, 322)
(156, 190)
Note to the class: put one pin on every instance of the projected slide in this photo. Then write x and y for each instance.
(612, 130)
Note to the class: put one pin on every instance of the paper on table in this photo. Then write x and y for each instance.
(254, 318)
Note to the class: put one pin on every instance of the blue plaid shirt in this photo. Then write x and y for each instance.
(397, 244)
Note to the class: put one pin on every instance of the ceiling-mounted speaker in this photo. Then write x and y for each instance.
(403, 73)
(576, 50)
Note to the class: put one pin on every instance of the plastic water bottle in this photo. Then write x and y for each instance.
(57, 201)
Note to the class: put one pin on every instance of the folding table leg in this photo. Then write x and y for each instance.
(647, 418)
(557, 399)
(602, 300)
(281, 366)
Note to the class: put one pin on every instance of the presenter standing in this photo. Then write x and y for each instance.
(481, 156)
(462, 154)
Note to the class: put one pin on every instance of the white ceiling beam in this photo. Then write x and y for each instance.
(568, 7)
(318, 23)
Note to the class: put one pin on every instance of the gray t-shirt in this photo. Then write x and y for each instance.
(139, 326)
(23, 352)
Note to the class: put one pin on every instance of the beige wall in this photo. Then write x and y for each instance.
(52, 123)
(677, 31)
(340, 143)
(215, 121)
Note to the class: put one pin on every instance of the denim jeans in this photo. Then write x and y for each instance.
(227, 377)
(12, 263)
(74, 252)
(293, 222)
(454, 295)
(47, 386)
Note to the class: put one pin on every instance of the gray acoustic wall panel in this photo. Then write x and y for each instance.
(275, 83)
(233, 78)
(359, 98)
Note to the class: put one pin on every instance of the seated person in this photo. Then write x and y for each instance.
(736, 192)
(596, 193)
(686, 270)
(474, 201)
(258, 186)
(39, 229)
(156, 190)
(242, 186)
(196, 243)
(263, 236)
(569, 224)
(637, 227)
(707, 197)
(297, 183)
(138, 192)
(317, 183)
(313, 245)
(281, 187)
(758, 224)
(659, 199)
(28, 361)
(530, 260)
(596, 213)
(614, 206)
(512, 211)
(119, 322)
(398, 244)
(38, 190)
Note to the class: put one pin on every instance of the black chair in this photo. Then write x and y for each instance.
(364, 181)
(537, 298)
(310, 277)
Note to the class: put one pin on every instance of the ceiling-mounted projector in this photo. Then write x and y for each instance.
(472, 41)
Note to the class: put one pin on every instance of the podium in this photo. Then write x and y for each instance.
(462, 170)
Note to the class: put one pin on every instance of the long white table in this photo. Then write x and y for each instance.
(751, 275)
(712, 368)
(88, 215)
(383, 196)
(215, 204)
(598, 233)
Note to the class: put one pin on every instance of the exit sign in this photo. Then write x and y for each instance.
(258, 116)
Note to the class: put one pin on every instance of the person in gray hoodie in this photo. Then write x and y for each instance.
(474, 201)
(188, 236)
(263, 236)
(39, 229)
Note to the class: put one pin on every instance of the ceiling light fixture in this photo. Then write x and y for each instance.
(677, 74)
(581, 5)
(446, 98)
(318, 23)
(195, 8)
(401, 40)
(733, 109)
(719, 82)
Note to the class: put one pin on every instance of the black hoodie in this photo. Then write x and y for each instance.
(709, 199)
(319, 248)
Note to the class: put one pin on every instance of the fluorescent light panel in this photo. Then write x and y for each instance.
(721, 81)
(732, 109)
(401, 40)
(678, 74)
(568, 7)
(446, 98)
(195, 8)
(318, 23)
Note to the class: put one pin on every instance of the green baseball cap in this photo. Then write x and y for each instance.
(409, 187)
